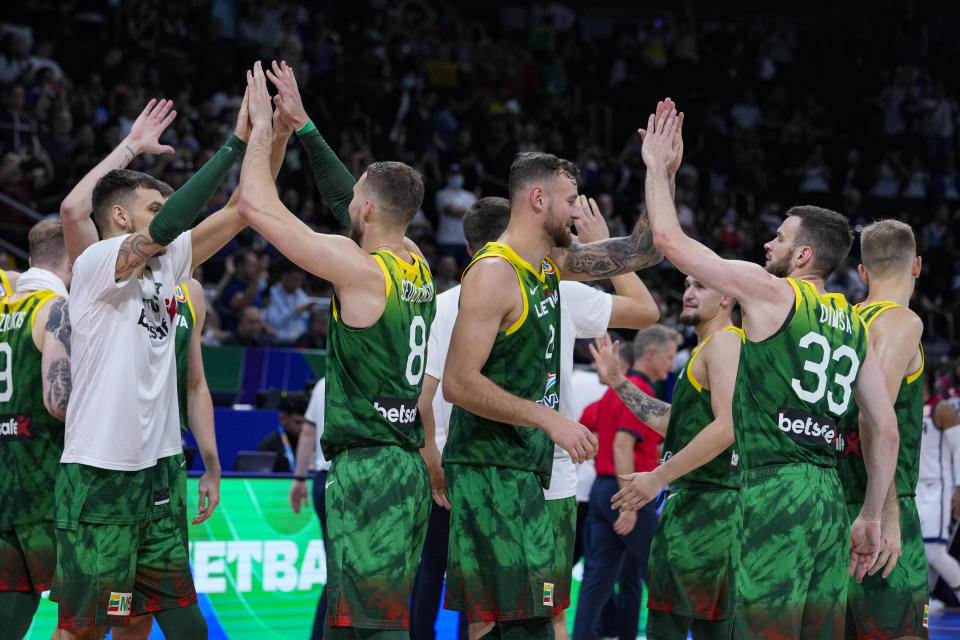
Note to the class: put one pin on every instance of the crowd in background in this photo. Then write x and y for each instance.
(851, 108)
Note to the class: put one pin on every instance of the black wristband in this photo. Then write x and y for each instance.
(300, 478)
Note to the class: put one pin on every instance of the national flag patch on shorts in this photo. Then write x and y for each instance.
(119, 604)
(548, 594)
(926, 616)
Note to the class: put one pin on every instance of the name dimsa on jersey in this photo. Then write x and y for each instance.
(807, 428)
(14, 427)
(400, 412)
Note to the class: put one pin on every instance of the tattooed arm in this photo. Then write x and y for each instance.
(134, 252)
(611, 257)
(54, 338)
(606, 360)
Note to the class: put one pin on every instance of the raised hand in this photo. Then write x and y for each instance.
(663, 107)
(243, 127)
(299, 495)
(641, 489)
(659, 143)
(261, 111)
(144, 136)
(606, 360)
(573, 437)
(864, 546)
(590, 225)
(288, 100)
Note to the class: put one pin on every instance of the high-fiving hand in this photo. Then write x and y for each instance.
(591, 226)
(288, 101)
(663, 139)
(261, 109)
(144, 136)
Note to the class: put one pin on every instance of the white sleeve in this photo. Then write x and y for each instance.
(314, 413)
(440, 332)
(589, 308)
(181, 250)
(95, 269)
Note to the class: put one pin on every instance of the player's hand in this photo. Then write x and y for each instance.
(261, 110)
(864, 545)
(243, 127)
(209, 496)
(572, 437)
(288, 100)
(890, 549)
(144, 136)
(281, 130)
(663, 106)
(625, 522)
(660, 141)
(590, 225)
(641, 488)
(606, 360)
(438, 483)
(299, 495)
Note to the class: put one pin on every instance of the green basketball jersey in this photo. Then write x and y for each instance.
(31, 440)
(908, 406)
(795, 387)
(186, 320)
(524, 360)
(374, 375)
(692, 412)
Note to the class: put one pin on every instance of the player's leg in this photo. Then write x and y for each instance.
(428, 586)
(138, 629)
(563, 513)
(320, 506)
(377, 528)
(16, 613)
(28, 558)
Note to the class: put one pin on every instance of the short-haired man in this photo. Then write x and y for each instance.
(35, 387)
(890, 605)
(382, 308)
(804, 360)
(627, 445)
(690, 576)
(501, 374)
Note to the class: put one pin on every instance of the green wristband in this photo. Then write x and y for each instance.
(307, 128)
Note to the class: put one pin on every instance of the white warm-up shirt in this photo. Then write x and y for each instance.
(584, 313)
(438, 344)
(314, 414)
(123, 412)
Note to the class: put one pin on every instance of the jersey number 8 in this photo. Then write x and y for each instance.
(418, 350)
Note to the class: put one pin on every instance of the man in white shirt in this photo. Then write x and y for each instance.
(288, 312)
(586, 312)
(453, 202)
(309, 453)
(121, 551)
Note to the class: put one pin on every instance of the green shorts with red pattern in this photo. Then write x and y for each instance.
(378, 507)
(883, 609)
(502, 558)
(563, 512)
(28, 557)
(792, 554)
(121, 549)
(691, 575)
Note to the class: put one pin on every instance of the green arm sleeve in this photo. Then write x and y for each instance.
(183, 207)
(333, 180)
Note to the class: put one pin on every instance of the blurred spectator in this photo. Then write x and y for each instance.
(244, 281)
(316, 335)
(17, 129)
(452, 202)
(251, 330)
(288, 311)
(445, 274)
(284, 439)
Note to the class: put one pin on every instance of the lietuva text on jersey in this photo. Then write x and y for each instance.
(552, 298)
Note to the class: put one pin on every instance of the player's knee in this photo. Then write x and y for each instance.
(138, 629)
(943, 563)
(182, 623)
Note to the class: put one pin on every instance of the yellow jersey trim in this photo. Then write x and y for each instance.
(185, 288)
(923, 363)
(500, 250)
(696, 351)
(5, 285)
(386, 275)
(797, 294)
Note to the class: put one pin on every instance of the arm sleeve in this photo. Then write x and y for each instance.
(182, 248)
(183, 207)
(94, 272)
(334, 181)
(589, 308)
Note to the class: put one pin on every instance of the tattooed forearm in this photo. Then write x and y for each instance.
(645, 407)
(615, 256)
(61, 383)
(59, 322)
(134, 252)
(127, 158)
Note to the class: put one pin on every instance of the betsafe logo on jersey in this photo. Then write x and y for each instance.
(401, 412)
(15, 427)
(807, 428)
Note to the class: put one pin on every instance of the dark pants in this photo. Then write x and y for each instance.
(428, 585)
(607, 555)
(320, 506)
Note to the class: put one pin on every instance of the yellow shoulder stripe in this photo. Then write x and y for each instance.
(386, 274)
(923, 362)
(42, 297)
(797, 293)
(185, 287)
(690, 377)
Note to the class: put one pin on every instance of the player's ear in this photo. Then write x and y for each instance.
(917, 267)
(536, 196)
(862, 270)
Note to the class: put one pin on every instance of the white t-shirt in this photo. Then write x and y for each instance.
(584, 313)
(450, 229)
(123, 411)
(438, 344)
(314, 415)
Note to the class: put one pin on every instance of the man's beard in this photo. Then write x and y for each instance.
(356, 233)
(559, 235)
(690, 320)
(780, 268)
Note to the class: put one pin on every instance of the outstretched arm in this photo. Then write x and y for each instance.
(200, 411)
(334, 258)
(606, 360)
(79, 232)
(611, 257)
(55, 356)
